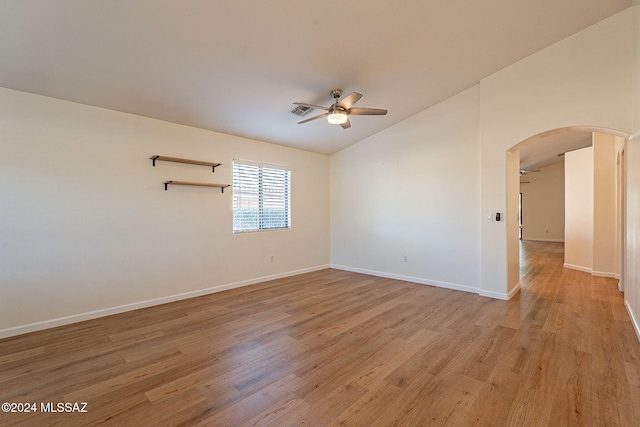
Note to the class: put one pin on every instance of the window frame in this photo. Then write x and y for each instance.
(260, 194)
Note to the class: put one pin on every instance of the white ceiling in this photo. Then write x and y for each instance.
(545, 149)
(236, 66)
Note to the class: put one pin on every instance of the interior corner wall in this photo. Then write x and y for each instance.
(87, 228)
(632, 191)
(543, 204)
(605, 241)
(584, 80)
(512, 225)
(579, 209)
(412, 191)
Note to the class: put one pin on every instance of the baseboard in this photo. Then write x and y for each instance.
(578, 267)
(412, 279)
(67, 320)
(542, 239)
(514, 291)
(592, 272)
(634, 321)
(606, 274)
(500, 295)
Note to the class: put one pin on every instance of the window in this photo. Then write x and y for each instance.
(261, 196)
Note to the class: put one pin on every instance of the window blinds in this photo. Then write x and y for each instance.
(261, 196)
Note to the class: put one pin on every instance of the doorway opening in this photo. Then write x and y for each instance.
(556, 204)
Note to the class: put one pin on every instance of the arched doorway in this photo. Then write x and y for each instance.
(530, 158)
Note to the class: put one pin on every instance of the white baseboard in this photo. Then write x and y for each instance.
(61, 321)
(543, 239)
(500, 295)
(592, 272)
(412, 279)
(514, 291)
(494, 295)
(605, 274)
(634, 321)
(578, 267)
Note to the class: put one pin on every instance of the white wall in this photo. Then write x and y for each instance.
(87, 229)
(605, 241)
(632, 172)
(579, 207)
(543, 204)
(412, 190)
(584, 80)
(591, 208)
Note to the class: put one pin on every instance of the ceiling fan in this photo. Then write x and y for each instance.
(338, 113)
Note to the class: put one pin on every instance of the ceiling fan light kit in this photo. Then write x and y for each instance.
(338, 113)
(336, 116)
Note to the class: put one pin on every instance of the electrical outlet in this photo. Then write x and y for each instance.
(405, 258)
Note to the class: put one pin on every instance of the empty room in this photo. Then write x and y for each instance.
(278, 213)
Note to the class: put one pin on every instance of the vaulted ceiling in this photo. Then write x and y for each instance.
(236, 66)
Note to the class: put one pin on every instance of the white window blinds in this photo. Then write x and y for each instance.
(261, 196)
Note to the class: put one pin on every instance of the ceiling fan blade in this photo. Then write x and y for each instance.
(349, 100)
(346, 125)
(314, 118)
(526, 171)
(367, 112)
(317, 107)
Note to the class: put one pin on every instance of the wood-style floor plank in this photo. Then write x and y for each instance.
(335, 348)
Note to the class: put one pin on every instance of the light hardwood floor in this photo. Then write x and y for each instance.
(339, 348)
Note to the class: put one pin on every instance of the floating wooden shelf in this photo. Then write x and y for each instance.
(190, 162)
(199, 184)
(213, 165)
